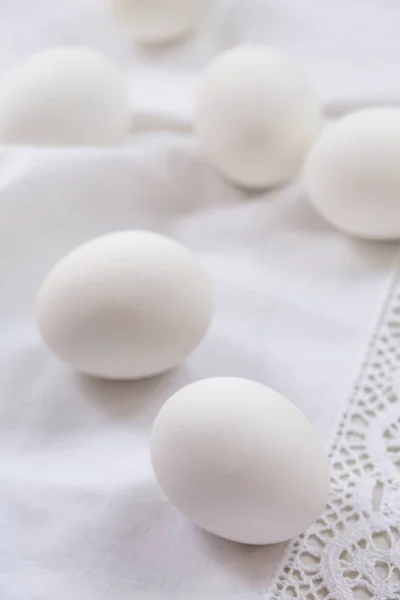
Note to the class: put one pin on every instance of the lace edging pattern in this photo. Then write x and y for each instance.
(353, 551)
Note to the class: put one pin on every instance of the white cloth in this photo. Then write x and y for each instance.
(81, 517)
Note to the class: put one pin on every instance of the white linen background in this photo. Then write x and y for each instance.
(81, 517)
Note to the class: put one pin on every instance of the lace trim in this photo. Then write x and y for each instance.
(353, 551)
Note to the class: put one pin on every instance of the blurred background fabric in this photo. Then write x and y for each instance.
(81, 517)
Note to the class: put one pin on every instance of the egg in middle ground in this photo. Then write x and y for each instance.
(125, 306)
(257, 115)
(240, 460)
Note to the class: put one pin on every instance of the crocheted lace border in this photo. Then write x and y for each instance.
(353, 551)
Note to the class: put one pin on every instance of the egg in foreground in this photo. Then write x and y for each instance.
(240, 461)
(124, 306)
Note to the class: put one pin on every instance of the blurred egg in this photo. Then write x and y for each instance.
(240, 461)
(256, 116)
(126, 305)
(352, 175)
(159, 21)
(64, 96)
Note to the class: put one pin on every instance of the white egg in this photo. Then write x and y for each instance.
(256, 116)
(159, 21)
(353, 177)
(62, 96)
(126, 305)
(240, 460)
